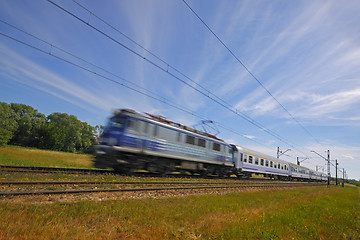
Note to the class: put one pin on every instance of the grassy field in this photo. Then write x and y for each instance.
(306, 213)
(20, 156)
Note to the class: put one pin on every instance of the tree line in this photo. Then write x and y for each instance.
(23, 125)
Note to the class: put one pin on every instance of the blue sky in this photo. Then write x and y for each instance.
(305, 53)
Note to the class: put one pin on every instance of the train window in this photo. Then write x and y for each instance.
(266, 163)
(146, 127)
(216, 146)
(201, 142)
(179, 137)
(155, 132)
(190, 139)
(256, 160)
(279, 166)
(116, 121)
(282, 167)
(271, 164)
(133, 125)
(245, 158)
(250, 159)
(262, 162)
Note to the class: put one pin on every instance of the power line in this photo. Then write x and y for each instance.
(206, 94)
(156, 97)
(248, 70)
(247, 118)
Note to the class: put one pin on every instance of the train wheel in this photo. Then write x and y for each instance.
(204, 174)
(151, 167)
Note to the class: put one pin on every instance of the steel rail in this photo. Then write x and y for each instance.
(35, 169)
(56, 169)
(101, 171)
(72, 191)
(129, 183)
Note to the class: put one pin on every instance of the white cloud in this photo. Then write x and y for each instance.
(28, 72)
(249, 136)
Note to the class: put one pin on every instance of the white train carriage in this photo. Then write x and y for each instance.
(299, 172)
(249, 161)
(317, 176)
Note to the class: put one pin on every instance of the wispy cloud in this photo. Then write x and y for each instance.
(311, 82)
(36, 76)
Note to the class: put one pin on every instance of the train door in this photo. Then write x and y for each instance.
(237, 157)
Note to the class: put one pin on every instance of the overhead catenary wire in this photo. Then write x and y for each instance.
(169, 66)
(135, 89)
(206, 94)
(250, 72)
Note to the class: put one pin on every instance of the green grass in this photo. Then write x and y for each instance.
(329, 216)
(20, 156)
(308, 213)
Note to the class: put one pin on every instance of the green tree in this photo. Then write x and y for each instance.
(66, 133)
(8, 123)
(30, 123)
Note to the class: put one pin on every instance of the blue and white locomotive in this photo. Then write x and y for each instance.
(132, 142)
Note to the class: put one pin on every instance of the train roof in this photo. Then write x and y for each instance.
(298, 166)
(163, 121)
(262, 155)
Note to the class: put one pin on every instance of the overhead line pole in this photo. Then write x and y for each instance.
(328, 163)
(328, 159)
(336, 169)
(303, 159)
(279, 152)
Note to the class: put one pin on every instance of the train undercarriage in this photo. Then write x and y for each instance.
(129, 162)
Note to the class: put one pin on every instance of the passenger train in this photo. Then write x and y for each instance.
(132, 142)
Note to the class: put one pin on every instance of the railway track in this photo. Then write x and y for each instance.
(139, 186)
(45, 170)
(9, 168)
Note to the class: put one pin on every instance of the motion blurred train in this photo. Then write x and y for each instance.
(132, 142)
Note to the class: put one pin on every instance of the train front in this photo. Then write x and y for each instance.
(111, 138)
